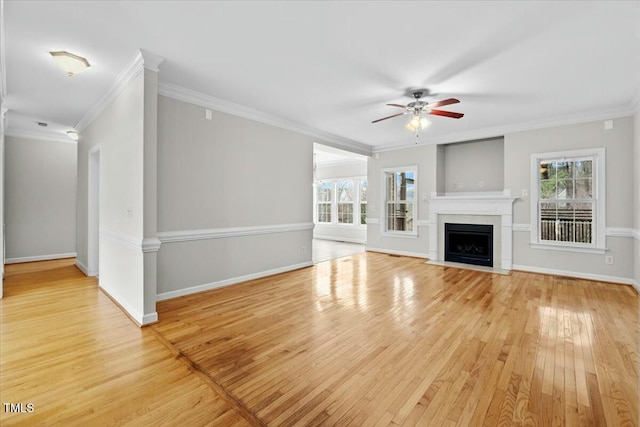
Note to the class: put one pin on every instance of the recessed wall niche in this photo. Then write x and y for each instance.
(473, 166)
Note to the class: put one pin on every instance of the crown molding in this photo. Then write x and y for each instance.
(519, 127)
(187, 95)
(151, 61)
(341, 163)
(143, 60)
(39, 135)
(120, 83)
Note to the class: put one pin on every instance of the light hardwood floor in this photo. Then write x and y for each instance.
(370, 339)
(69, 351)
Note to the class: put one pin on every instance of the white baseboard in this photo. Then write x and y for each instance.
(39, 258)
(577, 274)
(636, 285)
(85, 269)
(341, 239)
(123, 305)
(231, 281)
(392, 252)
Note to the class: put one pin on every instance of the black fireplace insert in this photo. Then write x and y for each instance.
(469, 243)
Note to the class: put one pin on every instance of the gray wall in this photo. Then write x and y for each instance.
(425, 158)
(227, 174)
(40, 198)
(618, 143)
(473, 166)
(347, 170)
(636, 192)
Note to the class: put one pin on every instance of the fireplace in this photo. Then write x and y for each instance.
(469, 243)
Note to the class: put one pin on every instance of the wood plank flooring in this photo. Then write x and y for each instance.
(70, 352)
(373, 339)
(369, 339)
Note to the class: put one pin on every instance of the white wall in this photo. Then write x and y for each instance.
(425, 158)
(40, 197)
(242, 187)
(618, 143)
(119, 132)
(355, 233)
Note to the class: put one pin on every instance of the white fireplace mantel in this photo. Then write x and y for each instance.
(489, 204)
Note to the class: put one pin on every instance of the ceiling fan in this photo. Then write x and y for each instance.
(418, 108)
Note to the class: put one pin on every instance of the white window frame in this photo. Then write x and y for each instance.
(334, 202)
(360, 202)
(353, 203)
(598, 244)
(316, 202)
(394, 233)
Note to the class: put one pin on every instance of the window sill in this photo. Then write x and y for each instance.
(579, 249)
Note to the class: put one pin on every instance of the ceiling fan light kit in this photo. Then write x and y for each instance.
(417, 108)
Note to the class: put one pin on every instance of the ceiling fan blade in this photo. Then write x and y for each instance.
(389, 117)
(443, 102)
(446, 114)
(397, 105)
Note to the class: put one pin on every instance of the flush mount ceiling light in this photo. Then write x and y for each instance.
(73, 134)
(69, 62)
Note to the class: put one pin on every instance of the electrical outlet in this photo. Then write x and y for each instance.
(524, 192)
(481, 184)
(207, 114)
(608, 259)
(304, 249)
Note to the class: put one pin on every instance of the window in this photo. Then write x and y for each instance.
(363, 202)
(568, 199)
(400, 206)
(337, 201)
(345, 195)
(324, 201)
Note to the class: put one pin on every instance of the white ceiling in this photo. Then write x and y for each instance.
(332, 66)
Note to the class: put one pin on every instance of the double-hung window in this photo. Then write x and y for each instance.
(363, 201)
(324, 201)
(345, 197)
(338, 201)
(568, 207)
(400, 201)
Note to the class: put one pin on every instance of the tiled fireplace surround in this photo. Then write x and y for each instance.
(473, 208)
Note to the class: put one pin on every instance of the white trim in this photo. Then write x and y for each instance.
(126, 76)
(599, 197)
(39, 258)
(521, 227)
(223, 233)
(567, 248)
(341, 239)
(577, 274)
(85, 269)
(187, 95)
(636, 234)
(394, 252)
(149, 318)
(151, 61)
(618, 232)
(40, 135)
(423, 223)
(232, 281)
(373, 220)
(132, 242)
(151, 244)
(500, 131)
(341, 162)
(134, 314)
(636, 285)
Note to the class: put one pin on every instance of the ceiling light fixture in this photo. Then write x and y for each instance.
(73, 134)
(69, 62)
